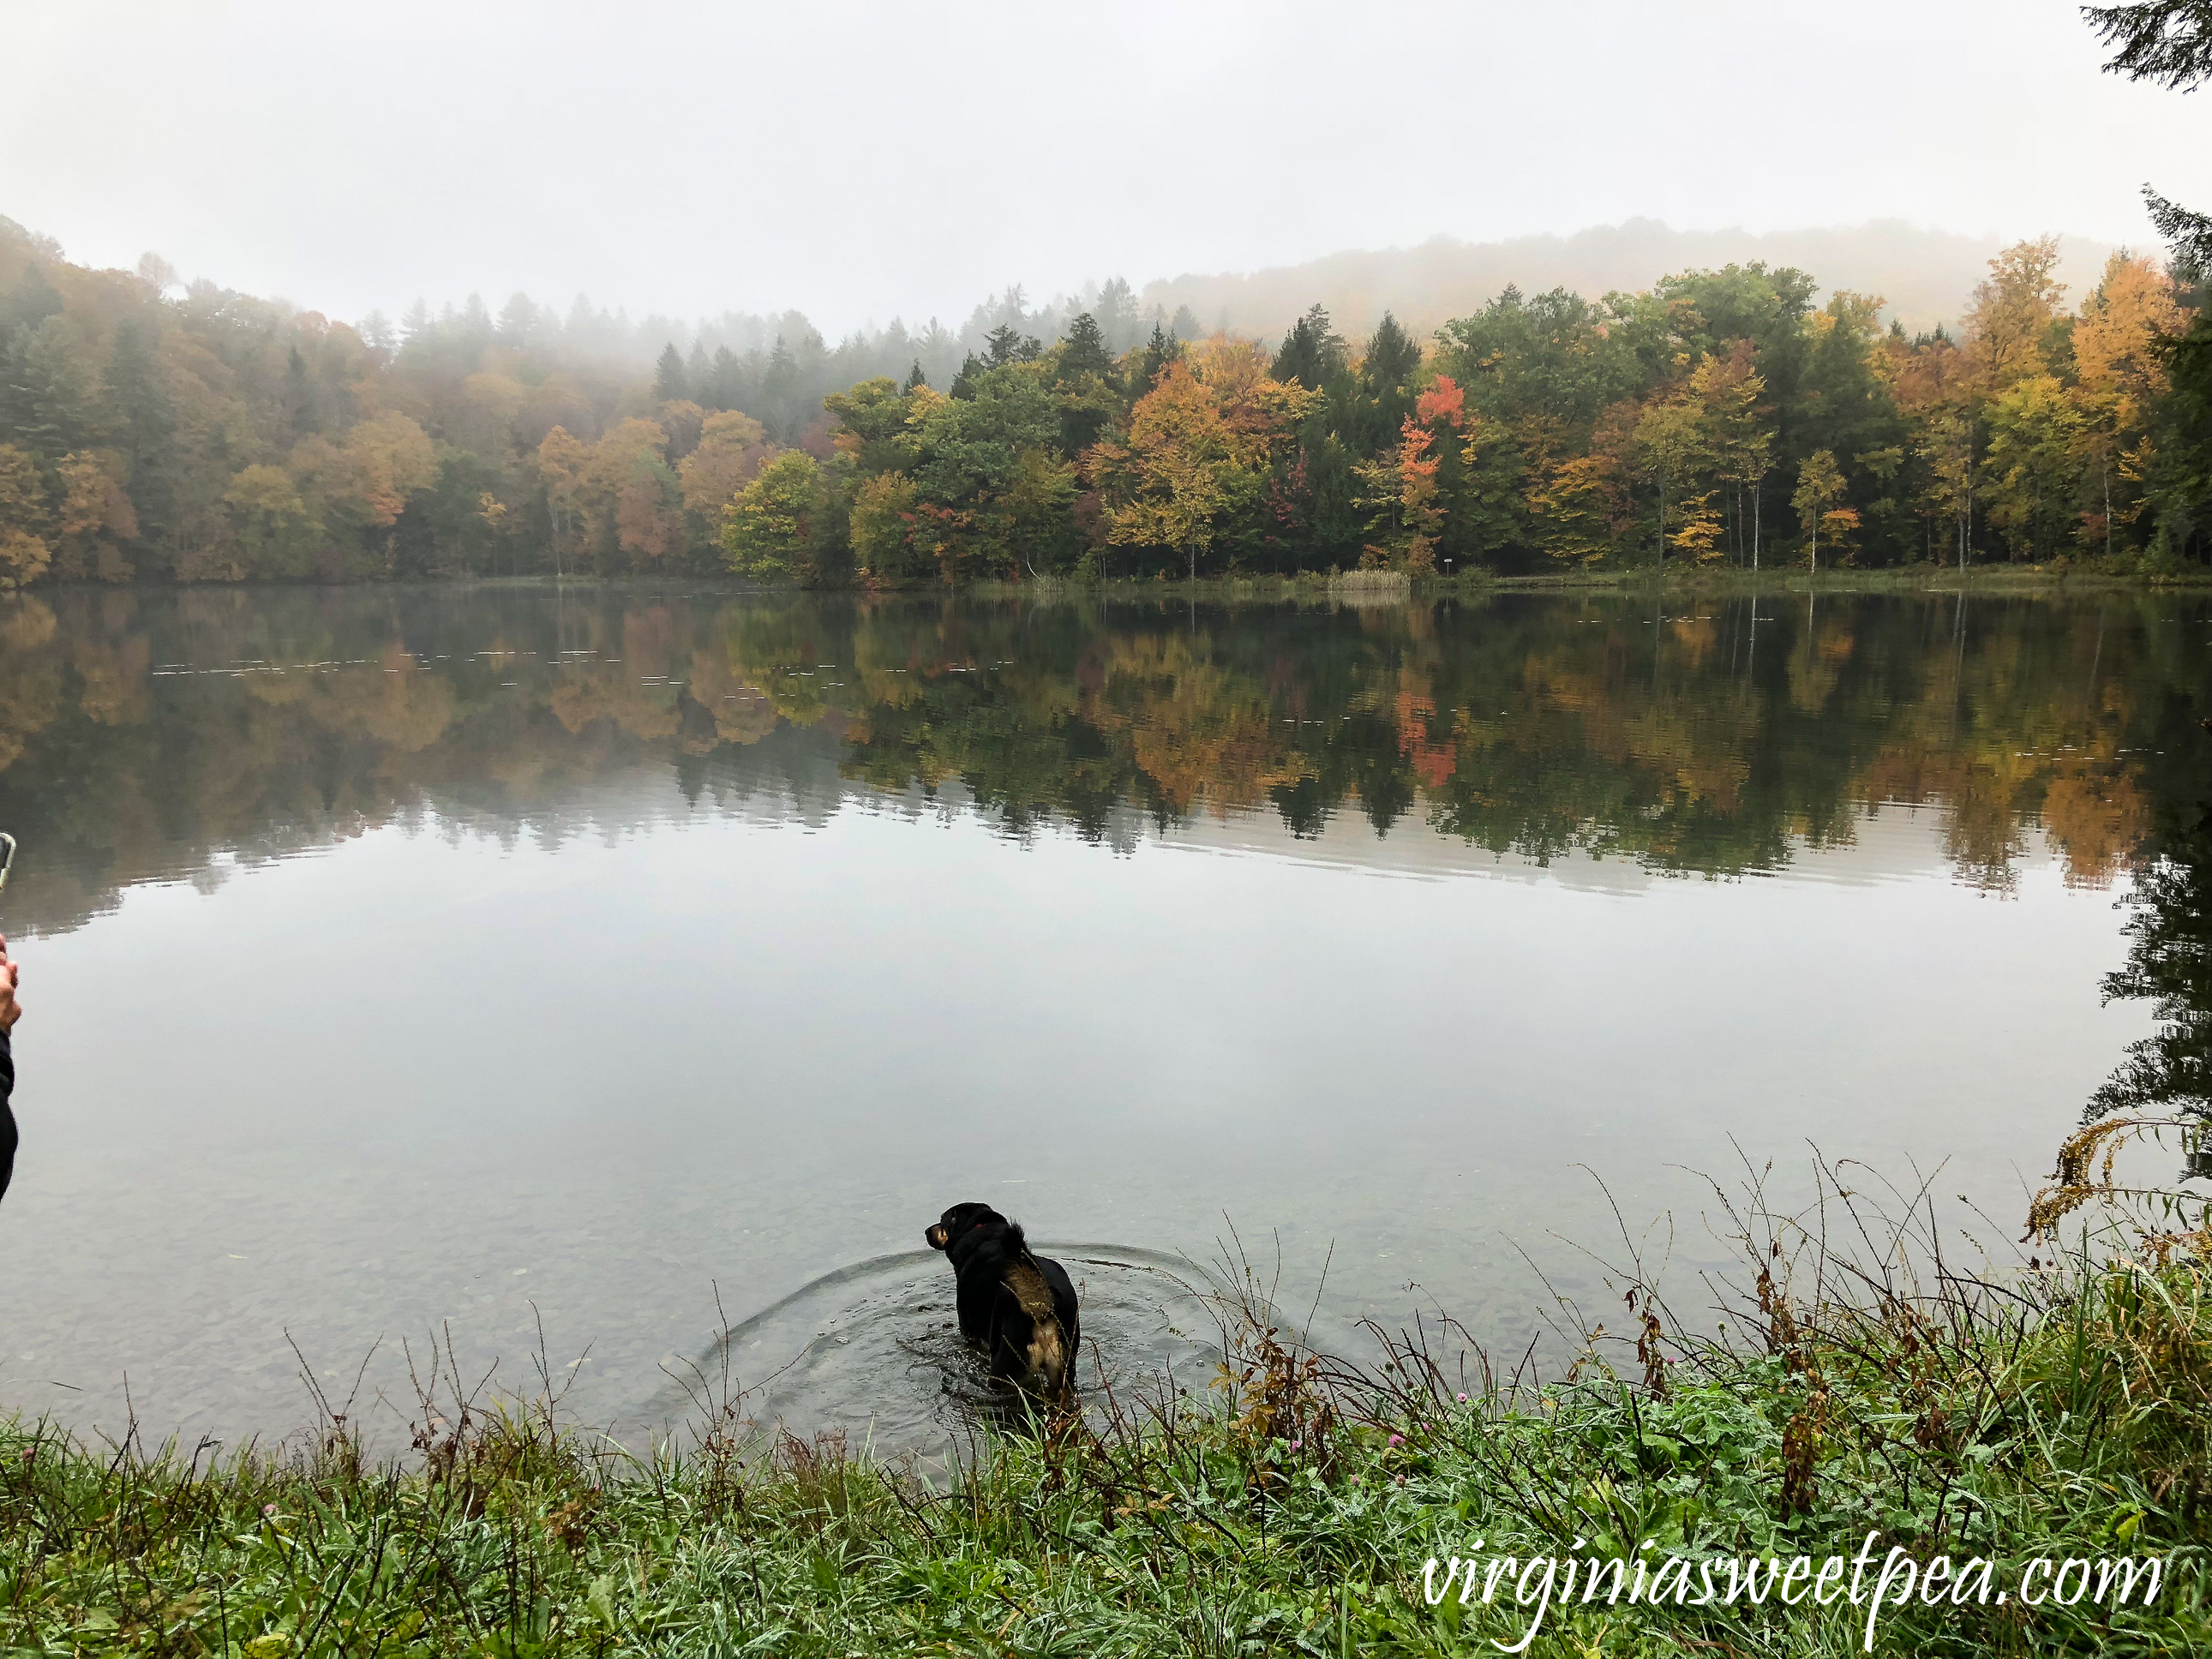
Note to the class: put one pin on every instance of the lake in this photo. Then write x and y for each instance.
(504, 958)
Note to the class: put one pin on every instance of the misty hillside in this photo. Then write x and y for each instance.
(1926, 275)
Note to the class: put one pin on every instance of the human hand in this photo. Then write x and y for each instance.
(10, 974)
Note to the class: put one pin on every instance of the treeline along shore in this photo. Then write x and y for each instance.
(154, 433)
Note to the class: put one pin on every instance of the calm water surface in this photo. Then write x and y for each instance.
(412, 956)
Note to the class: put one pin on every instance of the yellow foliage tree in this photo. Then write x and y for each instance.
(26, 521)
(95, 517)
(2012, 313)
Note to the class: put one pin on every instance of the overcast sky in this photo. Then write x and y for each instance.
(859, 160)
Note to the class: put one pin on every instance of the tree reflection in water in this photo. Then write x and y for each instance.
(144, 737)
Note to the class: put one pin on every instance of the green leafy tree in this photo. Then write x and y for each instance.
(276, 533)
(778, 527)
(2034, 471)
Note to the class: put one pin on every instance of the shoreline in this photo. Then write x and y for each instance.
(1358, 586)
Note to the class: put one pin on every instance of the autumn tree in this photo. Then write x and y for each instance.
(2121, 344)
(1197, 450)
(26, 519)
(1737, 431)
(777, 527)
(2009, 323)
(273, 529)
(95, 520)
(2034, 470)
(1820, 489)
(1674, 455)
(1403, 492)
(732, 449)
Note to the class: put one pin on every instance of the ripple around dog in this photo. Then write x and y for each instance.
(874, 1349)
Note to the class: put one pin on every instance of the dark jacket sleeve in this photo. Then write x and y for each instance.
(7, 1116)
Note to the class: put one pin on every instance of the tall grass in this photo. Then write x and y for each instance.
(1849, 1377)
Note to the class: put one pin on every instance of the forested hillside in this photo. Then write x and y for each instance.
(155, 433)
(1923, 275)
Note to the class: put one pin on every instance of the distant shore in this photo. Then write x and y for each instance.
(1358, 586)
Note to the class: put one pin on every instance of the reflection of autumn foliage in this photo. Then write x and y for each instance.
(1198, 731)
(1432, 761)
(2096, 819)
(1696, 743)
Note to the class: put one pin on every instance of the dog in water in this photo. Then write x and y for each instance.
(1020, 1307)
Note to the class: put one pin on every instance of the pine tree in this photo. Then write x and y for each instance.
(670, 383)
(44, 401)
(727, 383)
(1160, 351)
(1008, 345)
(1084, 351)
(299, 395)
(1117, 316)
(1385, 400)
(1309, 353)
(2169, 43)
(31, 301)
(915, 380)
(141, 423)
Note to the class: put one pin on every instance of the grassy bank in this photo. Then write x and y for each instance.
(1688, 580)
(2062, 576)
(2063, 1412)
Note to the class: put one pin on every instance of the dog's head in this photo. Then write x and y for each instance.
(957, 1220)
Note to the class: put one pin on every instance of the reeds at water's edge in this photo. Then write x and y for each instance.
(1850, 1376)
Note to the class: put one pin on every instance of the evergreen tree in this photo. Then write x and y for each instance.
(1084, 351)
(779, 392)
(1385, 396)
(1117, 316)
(726, 386)
(1311, 353)
(44, 391)
(142, 423)
(1160, 351)
(670, 383)
(31, 301)
(2169, 43)
(915, 380)
(1084, 370)
(299, 396)
(518, 320)
(1008, 345)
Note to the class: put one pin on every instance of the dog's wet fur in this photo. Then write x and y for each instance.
(1019, 1306)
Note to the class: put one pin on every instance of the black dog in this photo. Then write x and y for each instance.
(1020, 1307)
